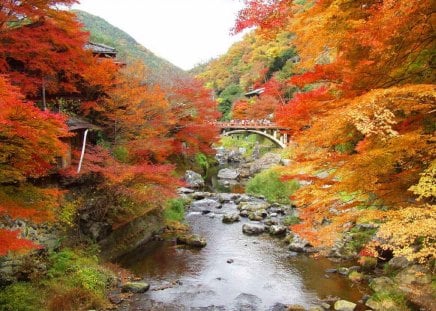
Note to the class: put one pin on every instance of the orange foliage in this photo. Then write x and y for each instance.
(10, 242)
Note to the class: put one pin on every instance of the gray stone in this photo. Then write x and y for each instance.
(194, 179)
(316, 308)
(230, 218)
(414, 275)
(277, 230)
(400, 262)
(343, 271)
(326, 306)
(135, 287)
(298, 244)
(183, 190)
(253, 206)
(228, 173)
(228, 197)
(383, 305)
(268, 160)
(271, 222)
(253, 229)
(204, 204)
(382, 284)
(244, 213)
(344, 305)
(192, 240)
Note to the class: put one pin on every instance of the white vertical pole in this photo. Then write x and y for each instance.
(83, 150)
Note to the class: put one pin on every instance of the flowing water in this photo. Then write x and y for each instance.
(234, 272)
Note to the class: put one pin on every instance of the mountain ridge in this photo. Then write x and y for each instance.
(129, 50)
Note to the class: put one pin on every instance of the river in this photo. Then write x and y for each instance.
(233, 272)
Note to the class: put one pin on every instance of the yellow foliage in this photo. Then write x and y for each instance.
(426, 187)
(410, 232)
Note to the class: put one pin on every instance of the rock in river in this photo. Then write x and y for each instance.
(230, 218)
(205, 204)
(227, 173)
(135, 287)
(192, 240)
(194, 179)
(253, 229)
(277, 230)
(344, 305)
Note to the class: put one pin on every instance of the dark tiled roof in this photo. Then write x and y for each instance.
(99, 48)
(75, 123)
(255, 92)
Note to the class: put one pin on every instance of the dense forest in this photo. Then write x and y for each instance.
(353, 81)
(91, 143)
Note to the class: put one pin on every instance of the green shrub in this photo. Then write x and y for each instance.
(175, 210)
(291, 220)
(121, 154)
(268, 184)
(21, 297)
(202, 161)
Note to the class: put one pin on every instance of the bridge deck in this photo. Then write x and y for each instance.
(257, 126)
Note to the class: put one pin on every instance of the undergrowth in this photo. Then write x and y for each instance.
(269, 184)
(74, 281)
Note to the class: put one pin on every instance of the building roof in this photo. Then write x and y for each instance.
(75, 123)
(255, 92)
(99, 48)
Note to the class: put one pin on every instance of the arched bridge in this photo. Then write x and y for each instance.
(264, 128)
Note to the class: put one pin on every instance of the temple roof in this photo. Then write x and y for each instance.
(75, 123)
(102, 49)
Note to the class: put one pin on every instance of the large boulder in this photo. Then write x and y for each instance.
(382, 284)
(230, 218)
(344, 305)
(228, 173)
(192, 240)
(277, 230)
(268, 160)
(135, 287)
(299, 245)
(193, 179)
(253, 229)
(205, 204)
(413, 275)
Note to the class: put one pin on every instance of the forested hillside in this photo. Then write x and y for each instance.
(128, 49)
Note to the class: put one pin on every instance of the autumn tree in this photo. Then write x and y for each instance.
(29, 144)
(361, 120)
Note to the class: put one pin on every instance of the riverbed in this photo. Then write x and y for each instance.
(233, 272)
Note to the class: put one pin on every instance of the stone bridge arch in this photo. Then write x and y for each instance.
(279, 139)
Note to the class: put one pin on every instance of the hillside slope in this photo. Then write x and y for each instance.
(128, 49)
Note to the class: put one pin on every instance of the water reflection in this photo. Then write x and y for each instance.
(262, 272)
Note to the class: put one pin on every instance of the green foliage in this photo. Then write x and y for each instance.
(202, 161)
(291, 220)
(226, 99)
(67, 213)
(268, 184)
(359, 238)
(395, 296)
(121, 154)
(21, 297)
(248, 143)
(76, 270)
(175, 210)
